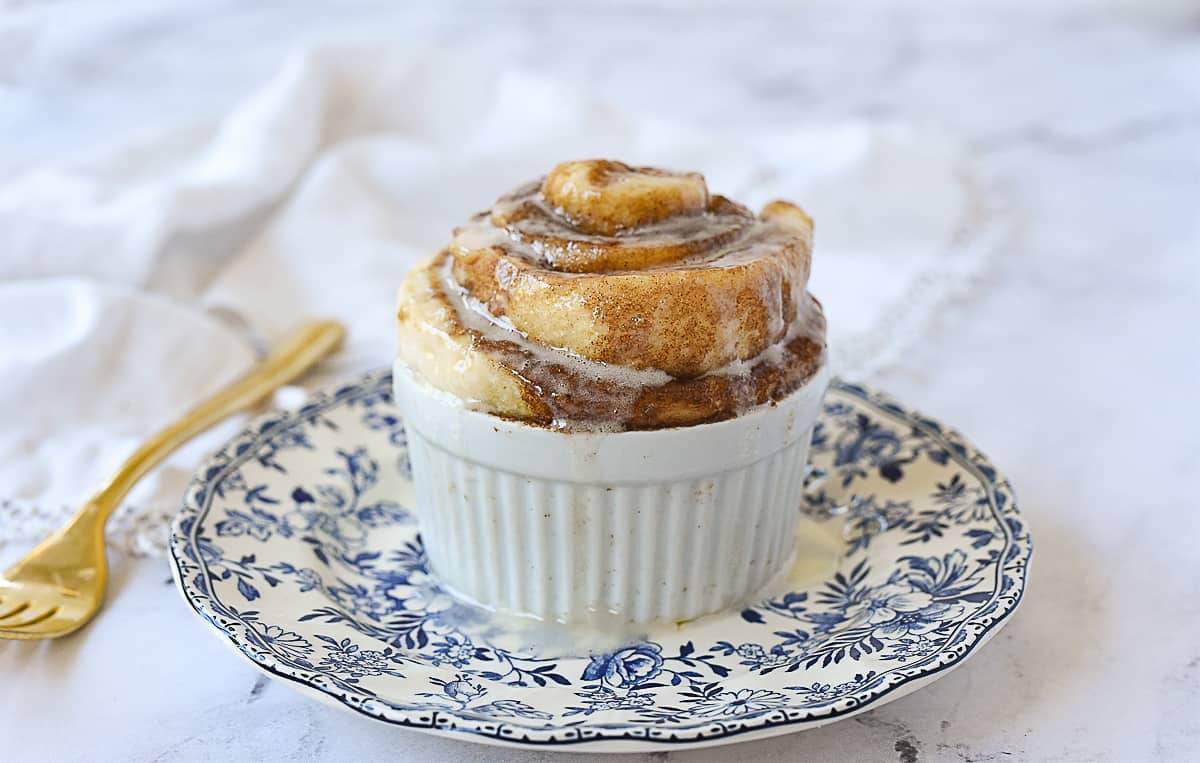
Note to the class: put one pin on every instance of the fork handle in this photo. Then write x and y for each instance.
(298, 353)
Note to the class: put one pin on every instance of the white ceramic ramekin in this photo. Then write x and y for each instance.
(578, 527)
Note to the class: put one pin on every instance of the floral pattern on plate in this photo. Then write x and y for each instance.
(299, 544)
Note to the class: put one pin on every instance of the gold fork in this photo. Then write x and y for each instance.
(59, 585)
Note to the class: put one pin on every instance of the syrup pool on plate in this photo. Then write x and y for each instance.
(816, 554)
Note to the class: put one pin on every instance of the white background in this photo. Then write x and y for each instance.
(1074, 366)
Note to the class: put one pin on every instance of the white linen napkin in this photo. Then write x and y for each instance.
(134, 283)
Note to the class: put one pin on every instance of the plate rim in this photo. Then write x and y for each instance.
(1016, 554)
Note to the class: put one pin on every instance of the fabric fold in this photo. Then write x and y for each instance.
(145, 275)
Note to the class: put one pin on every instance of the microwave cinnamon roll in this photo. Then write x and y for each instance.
(610, 297)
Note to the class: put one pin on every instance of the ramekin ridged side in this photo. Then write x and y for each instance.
(662, 525)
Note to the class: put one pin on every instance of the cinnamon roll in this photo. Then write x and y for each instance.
(606, 297)
(609, 382)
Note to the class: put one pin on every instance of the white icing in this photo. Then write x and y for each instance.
(573, 389)
(475, 316)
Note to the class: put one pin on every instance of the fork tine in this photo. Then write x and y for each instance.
(32, 620)
(26, 634)
(15, 610)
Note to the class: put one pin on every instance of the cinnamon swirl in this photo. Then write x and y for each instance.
(607, 298)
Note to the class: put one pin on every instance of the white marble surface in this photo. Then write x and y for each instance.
(1075, 366)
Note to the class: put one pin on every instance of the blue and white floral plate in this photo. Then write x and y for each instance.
(298, 545)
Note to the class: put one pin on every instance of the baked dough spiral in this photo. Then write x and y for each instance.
(610, 297)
